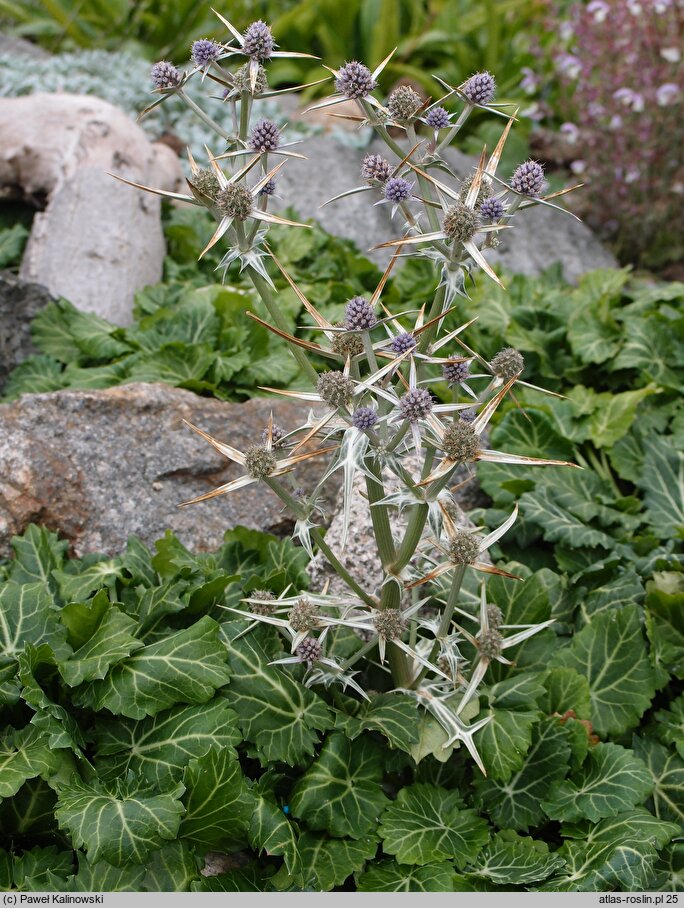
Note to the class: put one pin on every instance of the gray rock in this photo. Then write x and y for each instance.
(541, 236)
(98, 240)
(19, 47)
(99, 465)
(19, 303)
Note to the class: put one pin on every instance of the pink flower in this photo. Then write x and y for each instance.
(629, 98)
(667, 94)
(570, 133)
(598, 9)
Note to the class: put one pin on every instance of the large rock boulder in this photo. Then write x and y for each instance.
(99, 465)
(541, 236)
(19, 304)
(97, 241)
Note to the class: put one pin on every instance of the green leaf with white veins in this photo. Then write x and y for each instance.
(389, 876)
(611, 653)
(278, 715)
(617, 853)
(426, 824)
(27, 615)
(666, 769)
(185, 667)
(120, 822)
(160, 747)
(113, 640)
(516, 803)
(333, 860)
(341, 791)
(24, 755)
(662, 482)
(611, 781)
(36, 554)
(516, 860)
(217, 800)
(271, 832)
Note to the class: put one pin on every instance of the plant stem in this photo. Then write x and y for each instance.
(341, 570)
(437, 306)
(359, 654)
(448, 138)
(263, 289)
(245, 110)
(414, 531)
(212, 124)
(379, 515)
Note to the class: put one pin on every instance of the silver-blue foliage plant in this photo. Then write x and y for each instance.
(372, 414)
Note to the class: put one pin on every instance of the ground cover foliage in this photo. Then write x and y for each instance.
(142, 731)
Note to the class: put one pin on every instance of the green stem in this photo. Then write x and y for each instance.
(379, 515)
(264, 290)
(340, 569)
(359, 654)
(245, 110)
(447, 615)
(448, 138)
(212, 124)
(414, 532)
(437, 306)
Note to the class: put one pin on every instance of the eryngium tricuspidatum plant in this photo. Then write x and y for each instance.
(377, 382)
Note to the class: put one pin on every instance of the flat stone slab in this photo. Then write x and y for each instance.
(99, 465)
(19, 303)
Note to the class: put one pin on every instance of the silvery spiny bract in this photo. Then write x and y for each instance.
(399, 401)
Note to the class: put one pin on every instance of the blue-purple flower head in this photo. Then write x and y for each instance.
(480, 88)
(528, 179)
(268, 188)
(364, 418)
(375, 167)
(454, 373)
(204, 51)
(416, 404)
(397, 189)
(355, 80)
(437, 118)
(402, 343)
(359, 315)
(265, 136)
(492, 209)
(257, 41)
(165, 75)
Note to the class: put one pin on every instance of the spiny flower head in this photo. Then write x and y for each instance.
(528, 179)
(494, 617)
(236, 201)
(437, 118)
(335, 388)
(390, 623)
(492, 209)
(375, 167)
(490, 644)
(242, 79)
(455, 373)
(460, 222)
(359, 314)
(364, 417)
(165, 75)
(464, 547)
(309, 650)
(277, 434)
(206, 182)
(258, 41)
(204, 51)
(346, 344)
(303, 616)
(507, 363)
(265, 604)
(265, 136)
(480, 88)
(403, 103)
(259, 462)
(397, 189)
(403, 342)
(460, 442)
(416, 404)
(355, 80)
(468, 415)
(484, 192)
(268, 188)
